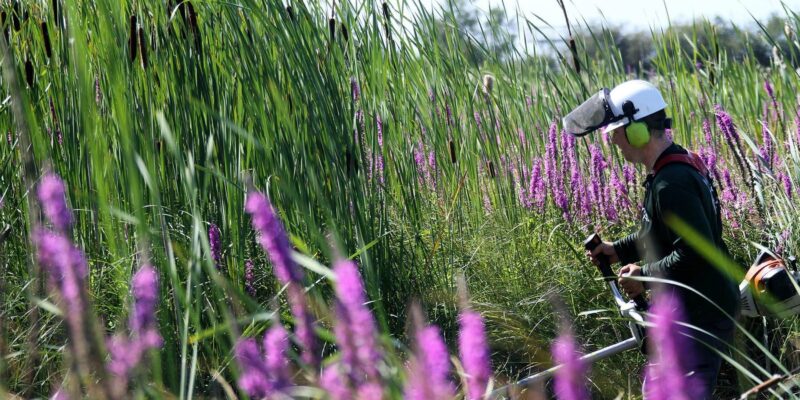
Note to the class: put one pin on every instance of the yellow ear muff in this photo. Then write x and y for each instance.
(637, 133)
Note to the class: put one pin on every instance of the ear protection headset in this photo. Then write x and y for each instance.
(636, 132)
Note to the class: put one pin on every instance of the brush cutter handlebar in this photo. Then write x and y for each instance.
(605, 269)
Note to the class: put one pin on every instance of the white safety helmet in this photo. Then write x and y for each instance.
(645, 97)
(627, 102)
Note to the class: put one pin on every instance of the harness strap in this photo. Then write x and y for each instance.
(691, 159)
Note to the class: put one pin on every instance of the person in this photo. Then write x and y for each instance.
(677, 185)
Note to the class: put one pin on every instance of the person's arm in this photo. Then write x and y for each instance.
(626, 249)
(679, 201)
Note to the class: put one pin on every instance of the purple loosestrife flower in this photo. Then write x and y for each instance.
(432, 169)
(254, 378)
(334, 385)
(370, 391)
(67, 267)
(276, 344)
(249, 277)
(355, 90)
(275, 242)
(707, 131)
(272, 238)
(598, 164)
(570, 379)
(786, 180)
(304, 324)
(60, 395)
(536, 187)
(610, 208)
(771, 92)
(429, 371)
(725, 124)
(767, 149)
(126, 353)
(419, 160)
(729, 192)
(621, 191)
(473, 349)
(52, 196)
(145, 298)
(551, 156)
(355, 320)
(214, 242)
(665, 375)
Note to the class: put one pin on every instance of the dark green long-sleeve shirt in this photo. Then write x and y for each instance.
(680, 190)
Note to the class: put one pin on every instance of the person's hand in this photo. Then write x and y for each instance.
(631, 287)
(606, 248)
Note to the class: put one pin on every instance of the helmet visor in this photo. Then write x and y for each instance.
(593, 114)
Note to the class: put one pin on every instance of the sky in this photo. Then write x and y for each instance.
(642, 14)
(629, 15)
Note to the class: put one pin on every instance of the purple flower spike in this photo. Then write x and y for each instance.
(355, 320)
(473, 349)
(570, 379)
(254, 378)
(249, 278)
(67, 267)
(428, 375)
(665, 373)
(52, 196)
(126, 353)
(214, 242)
(355, 90)
(335, 387)
(276, 344)
(272, 238)
(145, 299)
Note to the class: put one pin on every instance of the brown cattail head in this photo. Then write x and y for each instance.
(29, 72)
(48, 50)
(15, 20)
(143, 47)
(56, 6)
(290, 12)
(573, 48)
(488, 84)
(192, 14)
(452, 152)
(491, 170)
(133, 44)
(343, 29)
(387, 17)
(332, 28)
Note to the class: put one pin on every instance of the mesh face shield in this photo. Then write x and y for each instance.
(593, 114)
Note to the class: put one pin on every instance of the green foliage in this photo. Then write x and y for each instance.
(155, 147)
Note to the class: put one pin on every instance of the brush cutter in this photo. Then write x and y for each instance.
(629, 309)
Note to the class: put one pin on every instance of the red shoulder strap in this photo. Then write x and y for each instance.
(692, 159)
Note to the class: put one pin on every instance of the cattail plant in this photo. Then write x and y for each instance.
(387, 18)
(143, 47)
(29, 73)
(48, 50)
(133, 38)
(343, 30)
